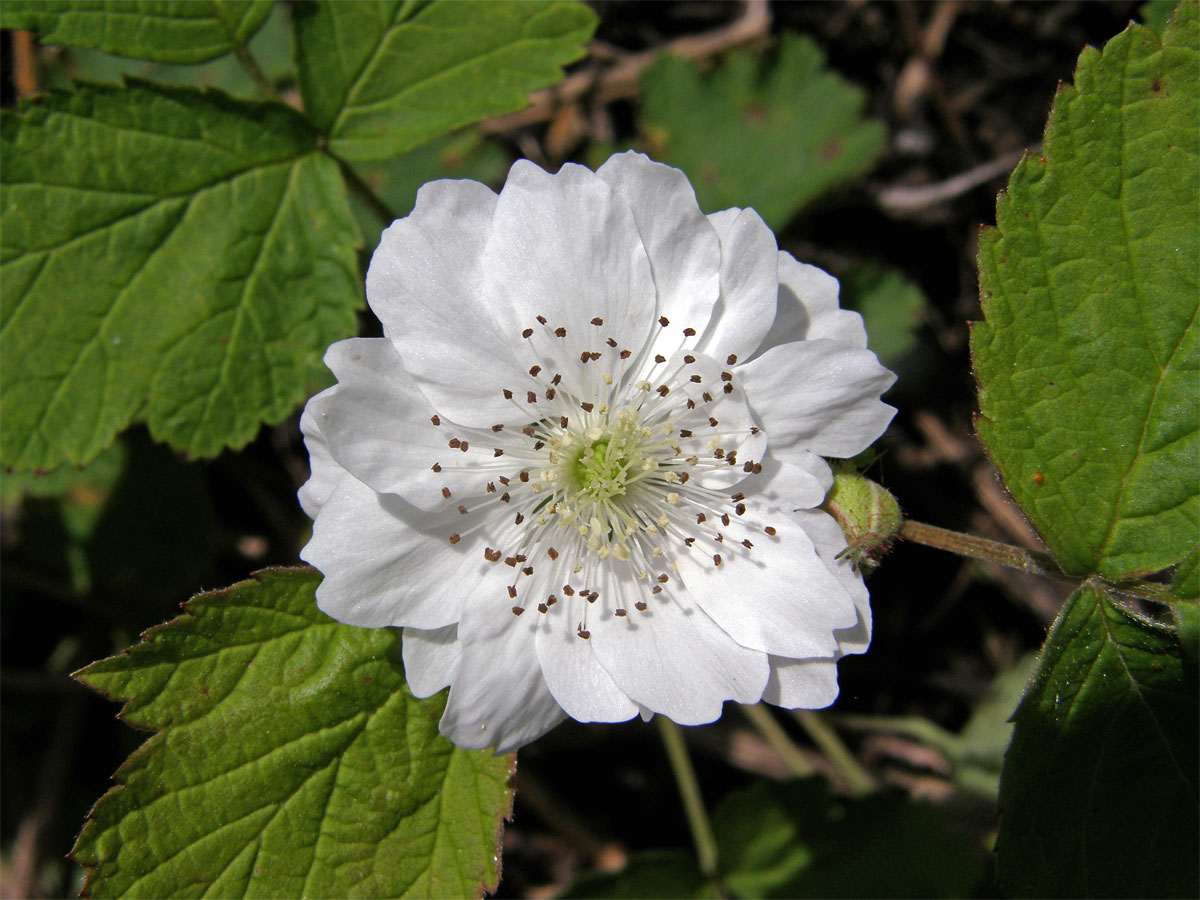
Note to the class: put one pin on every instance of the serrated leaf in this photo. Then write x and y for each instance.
(381, 78)
(168, 255)
(172, 31)
(1099, 791)
(773, 140)
(1087, 360)
(292, 761)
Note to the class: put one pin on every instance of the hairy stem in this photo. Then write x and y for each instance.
(689, 791)
(980, 548)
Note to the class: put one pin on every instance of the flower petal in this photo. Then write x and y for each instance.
(379, 426)
(749, 285)
(777, 597)
(382, 568)
(676, 661)
(802, 683)
(424, 284)
(828, 538)
(819, 395)
(499, 697)
(431, 658)
(575, 677)
(566, 247)
(324, 472)
(800, 482)
(808, 308)
(682, 245)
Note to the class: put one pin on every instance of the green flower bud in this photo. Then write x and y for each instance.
(869, 515)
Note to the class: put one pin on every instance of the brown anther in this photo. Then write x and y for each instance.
(663, 390)
(584, 357)
(592, 596)
(455, 538)
(713, 422)
(725, 519)
(716, 559)
(689, 541)
(754, 429)
(689, 332)
(435, 420)
(568, 590)
(491, 555)
(706, 397)
(552, 553)
(497, 452)
(757, 470)
(505, 497)
(683, 477)
(727, 376)
(529, 431)
(541, 320)
(664, 321)
(512, 591)
(533, 370)
(597, 321)
(583, 634)
(624, 354)
(748, 466)
(700, 518)
(620, 612)
(551, 600)
(498, 427)
(543, 608)
(527, 571)
(747, 545)
(740, 509)
(517, 610)
(504, 479)
(738, 496)
(538, 445)
(685, 433)
(454, 442)
(446, 492)
(437, 467)
(731, 359)
(464, 446)
(691, 404)
(720, 538)
(586, 406)
(689, 359)
(657, 589)
(611, 342)
(719, 453)
(562, 421)
(659, 358)
(527, 333)
(530, 397)
(550, 393)
(731, 458)
(695, 379)
(491, 487)
(640, 606)
(560, 331)
(462, 510)
(594, 355)
(663, 578)
(520, 517)
(556, 379)
(507, 393)
(728, 388)
(770, 530)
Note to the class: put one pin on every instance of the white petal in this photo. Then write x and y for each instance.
(683, 247)
(383, 568)
(829, 540)
(430, 659)
(749, 285)
(499, 697)
(566, 247)
(778, 597)
(425, 282)
(808, 308)
(575, 677)
(379, 426)
(324, 472)
(802, 683)
(819, 395)
(678, 662)
(798, 480)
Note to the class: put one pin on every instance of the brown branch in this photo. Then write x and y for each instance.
(621, 79)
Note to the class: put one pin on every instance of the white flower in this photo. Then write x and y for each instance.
(582, 467)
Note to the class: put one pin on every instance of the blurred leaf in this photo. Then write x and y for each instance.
(1156, 13)
(172, 31)
(773, 141)
(271, 47)
(381, 78)
(1099, 792)
(665, 874)
(979, 754)
(1087, 360)
(891, 307)
(169, 255)
(796, 840)
(291, 761)
(396, 180)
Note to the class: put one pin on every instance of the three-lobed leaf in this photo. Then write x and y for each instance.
(1099, 791)
(169, 31)
(770, 140)
(381, 78)
(291, 761)
(168, 255)
(1087, 360)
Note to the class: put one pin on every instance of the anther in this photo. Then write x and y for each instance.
(663, 390)
(664, 577)
(556, 379)
(552, 553)
(689, 359)
(568, 590)
(550, 393)
(446, 492)
(659, 358)
(727, 376)
(562, 421)
(713, 422)
(462, 510)
(520, 517)
(437, 467)
(560, 332)
(657, 589)
(497, 452)
(454, 442)
(747, 545)
(731, 359)
(664, 321)
(685, 433)
(541, 320)
(533, 370)
(597, 321)
(640, 606)
(624, 354)
(491, 555)
(498, 427)
(583, 634)
(707, 397)
(716, 559)
(512, 591)
(507, 393)
(527, 333)
(586, 406)
(516, 610)
(695, 379)
(770, 530)
(620, 612)
(530, 397)
(464, 446)
(611, 342)
(435, 420)
(527, 571)
(725, 519)
(740, 509)
(728, 388)
(551, 600)
(455, 538)
(689, 332)
(543, 608)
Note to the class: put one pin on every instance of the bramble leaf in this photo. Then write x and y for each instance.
(381, 78)
(771, 141)
(291, 761)
(1087, 361)
(1099, 791)
(170, 31)
(169, 255)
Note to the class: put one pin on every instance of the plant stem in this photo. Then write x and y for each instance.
(980, 548)
(689, 791)
(760, 717)
(857, 779)
(363, 192)
(250, 64)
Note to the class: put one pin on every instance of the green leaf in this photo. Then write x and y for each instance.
(796, 840)
(773, 141)
(1156, 13)
(891, 307)
(1099, 791)
(170, 256)
(1186, 582)
(1087, 360)
(291, 761)
(172, 31)
(381, 78)
(656, 875)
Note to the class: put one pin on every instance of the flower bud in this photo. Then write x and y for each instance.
(869, 515)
